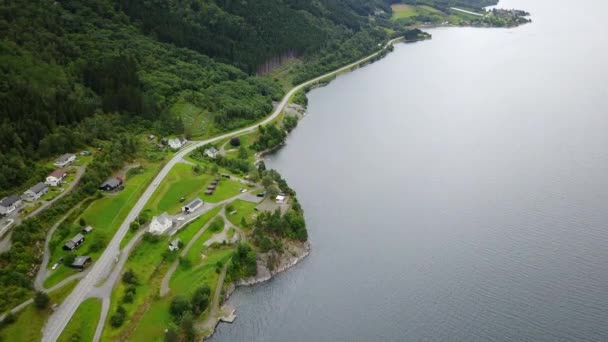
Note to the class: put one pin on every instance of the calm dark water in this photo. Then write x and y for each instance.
(457, 190)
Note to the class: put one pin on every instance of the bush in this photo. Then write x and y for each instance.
(200, 299)
(41, 300)
(134, 226)
(10, 318)
(152, 238)
(129, 277)
(236, 141)
(82, 222)
(179, 306)
(118, 318)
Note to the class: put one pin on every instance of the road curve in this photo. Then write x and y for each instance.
(102, 267)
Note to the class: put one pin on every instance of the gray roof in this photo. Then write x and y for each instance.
(10, 200)
(175, 242)
(163, 219)
(38, 188)
(64, 158)
(194, 203)
(112, 182)
(77, 238)
(81, 260)
(88, 229)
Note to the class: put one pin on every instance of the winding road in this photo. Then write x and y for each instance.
(103, 266)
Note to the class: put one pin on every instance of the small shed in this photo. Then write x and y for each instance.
(111, 184)
(192, 205)
(87, 230)
(174, 245)
(81, 262)
(74, 242)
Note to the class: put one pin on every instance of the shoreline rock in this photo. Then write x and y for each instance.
(295, 252)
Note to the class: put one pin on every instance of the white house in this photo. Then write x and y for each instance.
(36, 192)
(160, 224)
(192, 205)
(65, 159)
(176, 143)
(281, 198)
(211, 152)
(9, 204)
(56, 177)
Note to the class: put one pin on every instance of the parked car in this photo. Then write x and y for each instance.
(261, 194)
(54, 266)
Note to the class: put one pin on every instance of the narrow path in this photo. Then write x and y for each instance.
(164, 287)
(467, 12)
(100, 269)
(213, 319)
(43, 270)
(105, 308)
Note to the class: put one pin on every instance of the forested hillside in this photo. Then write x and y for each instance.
(63, 61)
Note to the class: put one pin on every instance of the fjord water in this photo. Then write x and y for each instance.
(456, 190)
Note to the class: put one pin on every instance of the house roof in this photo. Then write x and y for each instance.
(211, 149)
(64, 158)
(195, 202)
(163, 219)
(111, 182)
(81, 260)
(10, 200)
(77, 238)
(57, 173)
(38, 188)
(175, 242)
(88, 229)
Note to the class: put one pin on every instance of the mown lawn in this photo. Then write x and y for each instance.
(194, 253)
(151, 327)
(147, 263)
(183, 182)
(83, 323)
(403, 11)
(243, 209)
(105, 216)
(30, 320)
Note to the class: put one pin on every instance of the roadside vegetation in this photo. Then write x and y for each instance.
(83, 323)
(27, 324)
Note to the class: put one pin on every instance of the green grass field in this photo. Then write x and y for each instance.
(197, 120)
(403, 11)
(146, 261)
(156, 319)
(183, 182)
(30, 320)
(105, 216)
(83, 323)
(243, 209)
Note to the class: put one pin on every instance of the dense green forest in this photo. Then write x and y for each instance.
(64, 61)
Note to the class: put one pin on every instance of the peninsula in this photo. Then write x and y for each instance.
(134, 194)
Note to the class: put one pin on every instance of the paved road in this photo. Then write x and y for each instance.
(101, 268)
(467, 12)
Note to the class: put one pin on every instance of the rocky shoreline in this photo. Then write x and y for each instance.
(295, 252)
